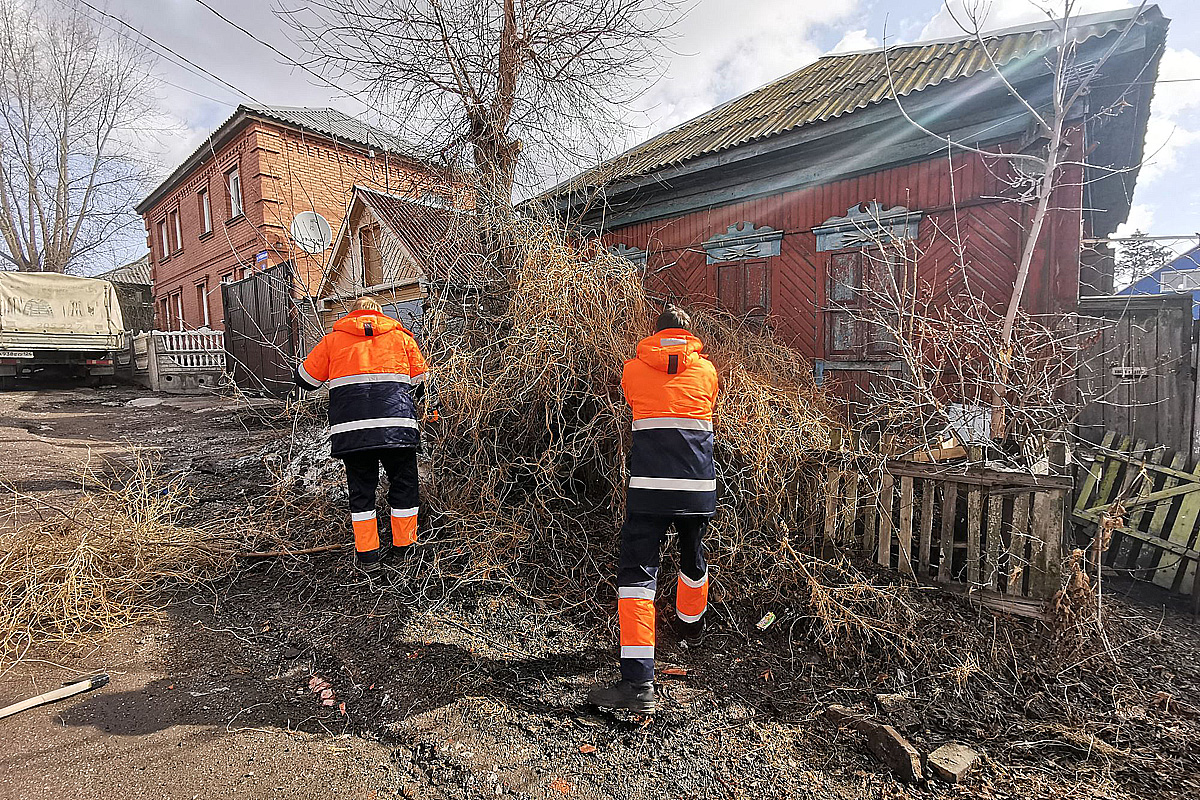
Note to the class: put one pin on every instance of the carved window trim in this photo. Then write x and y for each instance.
(743, 242)
(634, 254)
(867, 225)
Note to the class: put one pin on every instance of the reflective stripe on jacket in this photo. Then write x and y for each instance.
(373, 367)
(672, 388)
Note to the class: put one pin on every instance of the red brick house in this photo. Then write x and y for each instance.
(227, 210)
(772, 205)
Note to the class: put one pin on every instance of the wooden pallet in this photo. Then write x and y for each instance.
(1158, 539)
(993, 535)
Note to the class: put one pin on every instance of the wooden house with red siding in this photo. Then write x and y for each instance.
(780, 205)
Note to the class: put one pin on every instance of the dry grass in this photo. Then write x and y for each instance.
(96, 565)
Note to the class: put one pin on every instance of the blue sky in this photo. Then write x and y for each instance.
(722, 48)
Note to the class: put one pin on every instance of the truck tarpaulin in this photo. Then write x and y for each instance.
(43, 309)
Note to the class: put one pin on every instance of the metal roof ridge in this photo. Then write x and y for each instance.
(1049, 26)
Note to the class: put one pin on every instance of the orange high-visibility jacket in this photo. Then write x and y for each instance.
(672, 388)
(373, 367)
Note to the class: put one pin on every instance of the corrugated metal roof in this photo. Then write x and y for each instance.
(327, 122)
(444, 240)
(835, 85)
(133, 272)
(334, 124)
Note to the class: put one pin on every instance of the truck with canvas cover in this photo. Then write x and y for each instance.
(51, 323)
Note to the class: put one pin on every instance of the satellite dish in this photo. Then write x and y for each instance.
(311, 232)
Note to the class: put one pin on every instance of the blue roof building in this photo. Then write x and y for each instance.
(1180, 276)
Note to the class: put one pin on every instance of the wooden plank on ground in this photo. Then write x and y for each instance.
(946, 537)
(883, 547)
(928, 490)
(906, 526)
(974, 524)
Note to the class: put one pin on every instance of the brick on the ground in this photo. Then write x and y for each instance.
(951, 762)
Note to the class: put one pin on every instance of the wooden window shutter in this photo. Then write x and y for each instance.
(372, 258)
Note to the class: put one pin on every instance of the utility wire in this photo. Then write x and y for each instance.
(289, 59)
(168, 49)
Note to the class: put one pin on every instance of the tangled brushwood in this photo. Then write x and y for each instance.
(527, 474)
(97, 564)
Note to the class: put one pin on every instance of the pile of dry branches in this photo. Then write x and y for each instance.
(96, 565)
(527, 473)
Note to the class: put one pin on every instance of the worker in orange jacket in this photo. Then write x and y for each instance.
(376, 378)
(672, 388)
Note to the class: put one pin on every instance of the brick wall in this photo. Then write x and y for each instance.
(283, 171)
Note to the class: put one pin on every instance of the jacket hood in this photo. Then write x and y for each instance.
(366, 323)
(672, 350)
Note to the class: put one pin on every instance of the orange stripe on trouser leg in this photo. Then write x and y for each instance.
(404, 526)
(366, 534)
(636, 615)
(691, 598)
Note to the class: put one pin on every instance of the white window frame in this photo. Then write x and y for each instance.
(164, 238)
(179, 310)
(233, 184)
(205, 211)
(202, 296)
(178, 230)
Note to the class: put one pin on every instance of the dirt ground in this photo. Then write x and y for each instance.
(476, 693)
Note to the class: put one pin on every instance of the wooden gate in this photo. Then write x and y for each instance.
(260, 330)
(1138, 376)
(1157, 538)
(994, 535)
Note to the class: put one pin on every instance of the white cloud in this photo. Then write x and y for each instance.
(855, 40)
(1141, 218)
(729, 47)
(951, 19)
(1173, 131)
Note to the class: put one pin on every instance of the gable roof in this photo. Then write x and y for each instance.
(443, 242)
(328, 123)
(839, 84)
(133, 272)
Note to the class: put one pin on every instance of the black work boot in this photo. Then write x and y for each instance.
(691, 634)
(635, 697)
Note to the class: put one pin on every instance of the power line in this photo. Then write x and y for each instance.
(293, 62)
(168, 49)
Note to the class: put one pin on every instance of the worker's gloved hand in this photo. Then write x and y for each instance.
(432, 416)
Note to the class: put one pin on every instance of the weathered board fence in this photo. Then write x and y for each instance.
(994, 535)
(1138, 374)
(1157, 538)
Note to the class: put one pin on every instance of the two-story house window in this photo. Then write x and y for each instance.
(178, 230)
(202, 302)
(164, 241)
(234, 184)
(205, 212)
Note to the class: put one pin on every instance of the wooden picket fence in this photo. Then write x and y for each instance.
(1158, 538)
(994, 535)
